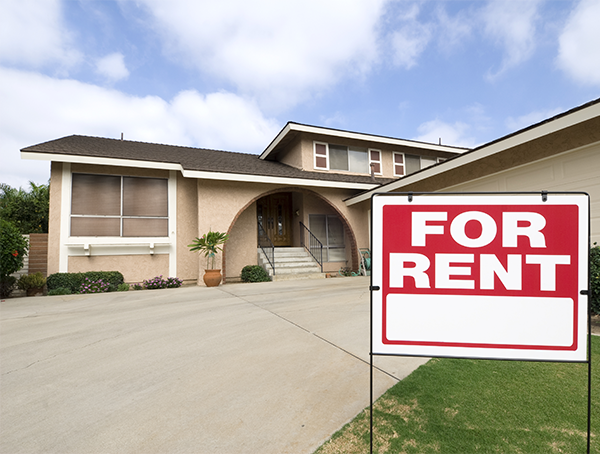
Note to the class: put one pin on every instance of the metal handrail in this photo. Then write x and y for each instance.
(315, 247)
(265, 242)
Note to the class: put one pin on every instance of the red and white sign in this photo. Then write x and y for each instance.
(481, 276)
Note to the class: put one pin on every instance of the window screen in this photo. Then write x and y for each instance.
(109, 205)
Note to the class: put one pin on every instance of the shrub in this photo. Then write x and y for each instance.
(137, 286)
(90, 286)
(159, 282)
(28, 281)
(7, 285)
(13, 248)
(73, 281)
(595, 279)
(59, 291)
(123, 287)
(254, 273)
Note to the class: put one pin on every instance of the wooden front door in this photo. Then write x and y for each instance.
(274, 212)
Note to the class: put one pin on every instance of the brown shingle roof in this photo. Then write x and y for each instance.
(194, 159)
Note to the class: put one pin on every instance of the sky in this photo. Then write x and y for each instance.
(230, 74)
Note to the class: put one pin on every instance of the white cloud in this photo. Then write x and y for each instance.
(38, 108)
(453, 134)
(524, 121)
(32, 34)
(512, 25)
(410, 39)
(112, 67)
(579, 52)
(452, 31)
(279, 52)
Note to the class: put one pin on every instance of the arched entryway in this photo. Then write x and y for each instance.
(281, 211)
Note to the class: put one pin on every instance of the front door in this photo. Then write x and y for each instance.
(274, 212)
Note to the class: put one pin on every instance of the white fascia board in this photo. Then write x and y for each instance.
(276, 180)
(358, 136)
(76, 159)
(197, 173)
(485, 151)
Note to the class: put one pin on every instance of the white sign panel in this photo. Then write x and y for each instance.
(493, 276)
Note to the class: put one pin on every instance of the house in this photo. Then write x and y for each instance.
(559, 154)
(134, 207)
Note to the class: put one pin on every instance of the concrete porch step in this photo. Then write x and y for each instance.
(291, 263)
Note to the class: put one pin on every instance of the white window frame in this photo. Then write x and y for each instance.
(326, 156)
(403, 163)
(121, 216)
(372, 161)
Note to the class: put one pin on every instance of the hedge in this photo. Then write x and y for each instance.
(73, 281)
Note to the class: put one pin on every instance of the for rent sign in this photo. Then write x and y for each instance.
(482, 276)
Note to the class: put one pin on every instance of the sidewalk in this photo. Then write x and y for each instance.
(272, 367)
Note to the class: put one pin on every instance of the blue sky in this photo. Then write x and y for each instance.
(230, 74)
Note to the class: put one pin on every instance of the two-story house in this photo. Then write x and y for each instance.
(134, 207)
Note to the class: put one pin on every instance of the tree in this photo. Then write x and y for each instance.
(28, 211)
(13, 248)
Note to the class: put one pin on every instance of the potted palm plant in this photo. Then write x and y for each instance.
(210, 244)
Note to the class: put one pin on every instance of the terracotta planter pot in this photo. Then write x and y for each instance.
(212, 278)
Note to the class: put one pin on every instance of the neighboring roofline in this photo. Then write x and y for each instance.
(561, 121)
(291, 126)
(199, 174)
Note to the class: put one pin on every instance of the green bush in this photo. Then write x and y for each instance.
(595, 279)
(13, 248)
(254, 273)
(123, 287)
(7, 285)
(28, 281)
(59, 291)
(73, 281)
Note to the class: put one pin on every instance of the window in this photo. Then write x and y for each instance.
(330, 231)
(321, 156)
(399, 164)
(375, 161)
(340, 157)
(405, 164)
(108, 205)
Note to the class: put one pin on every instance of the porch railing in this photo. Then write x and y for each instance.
(312, 244)
(266, 245)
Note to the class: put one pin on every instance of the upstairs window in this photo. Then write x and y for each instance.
(340, 157)
(405, 164)
(108, 205)
(321, 156)
(375, 161)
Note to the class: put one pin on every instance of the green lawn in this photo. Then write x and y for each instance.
(470, 406)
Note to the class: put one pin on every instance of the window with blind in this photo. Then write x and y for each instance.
(108, 205)
(340, 157)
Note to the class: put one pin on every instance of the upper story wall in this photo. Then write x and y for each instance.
(327, 154)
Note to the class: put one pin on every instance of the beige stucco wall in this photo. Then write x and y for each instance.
(230, 207)
(577, 170)
(135, 268)
(54, 217)
(187, 228)
(305, 149)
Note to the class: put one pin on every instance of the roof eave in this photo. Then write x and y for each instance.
(560, 122)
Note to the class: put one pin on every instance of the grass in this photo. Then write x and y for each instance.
(479, 406)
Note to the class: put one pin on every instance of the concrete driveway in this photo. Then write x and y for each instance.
(273, 367)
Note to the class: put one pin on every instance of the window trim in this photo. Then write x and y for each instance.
(372, 161)
(326, 156)
(395, 164)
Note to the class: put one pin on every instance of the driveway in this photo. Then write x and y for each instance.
(273, 367)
